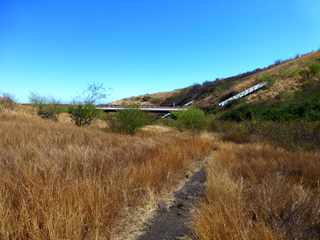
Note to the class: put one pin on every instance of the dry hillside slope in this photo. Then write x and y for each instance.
(283, 77)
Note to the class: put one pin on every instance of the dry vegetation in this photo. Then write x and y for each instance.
(285, 74)
(260, 192)
(287, 78)
(59, 181)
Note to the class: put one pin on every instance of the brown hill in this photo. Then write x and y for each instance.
(283, 76)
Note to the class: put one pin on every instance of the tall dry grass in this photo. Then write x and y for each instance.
(260, 192)
(294, 136)
(62, 182)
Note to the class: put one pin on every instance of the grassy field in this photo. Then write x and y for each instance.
(257, 191)
(59, 181)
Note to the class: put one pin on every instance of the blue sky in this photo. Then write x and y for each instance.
(56, 47)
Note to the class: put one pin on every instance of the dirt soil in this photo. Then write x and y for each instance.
(172, 222)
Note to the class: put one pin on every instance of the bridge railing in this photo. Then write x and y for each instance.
(243, 93)
(140, 106)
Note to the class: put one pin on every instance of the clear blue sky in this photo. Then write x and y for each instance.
(55, 47)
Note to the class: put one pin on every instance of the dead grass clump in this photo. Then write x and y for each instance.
(61, 182)
(256, 162)
(236, 135)
(260, 192)
(222, 215)
(292, 135)
(287, 208)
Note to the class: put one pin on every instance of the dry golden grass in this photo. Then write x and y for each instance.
(260, 192)
(283, 84)
(61, 182)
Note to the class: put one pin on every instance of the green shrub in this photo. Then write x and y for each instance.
(101, 115)
(47, 108)
(266, 77)
(83, 111)
(83, 114)
(311, 72)
(315, 69)
(289, 72)
(128, 121)
(192, 119)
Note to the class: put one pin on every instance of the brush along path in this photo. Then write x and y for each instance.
(171, 221)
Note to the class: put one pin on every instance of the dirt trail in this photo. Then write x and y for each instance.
(172, 222)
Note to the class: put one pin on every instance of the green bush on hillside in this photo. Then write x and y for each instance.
(128, 121)
(311, 72)
(304, 105)
(289, 72)
(315, 69)
(266, 77)
(192, 119)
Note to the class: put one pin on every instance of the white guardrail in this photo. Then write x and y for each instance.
(243, 93)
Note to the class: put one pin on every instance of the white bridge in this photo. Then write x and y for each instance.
(113, 108)
(168, 110)
(243, 93)
(153, 109)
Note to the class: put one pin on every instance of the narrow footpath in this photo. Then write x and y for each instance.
(172, 222)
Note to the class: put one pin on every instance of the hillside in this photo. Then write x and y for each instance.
(284, 77)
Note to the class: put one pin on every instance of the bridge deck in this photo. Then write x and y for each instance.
(145, 109)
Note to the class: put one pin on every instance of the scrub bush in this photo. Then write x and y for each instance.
(128, 121)
(83, 115)
(192, 119)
